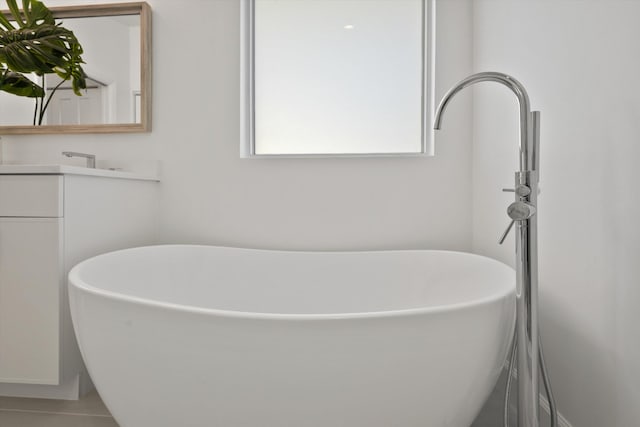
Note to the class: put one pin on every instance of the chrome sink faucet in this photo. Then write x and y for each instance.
(91, 159)
(523, 214)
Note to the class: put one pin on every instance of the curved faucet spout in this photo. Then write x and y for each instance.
(527, 146)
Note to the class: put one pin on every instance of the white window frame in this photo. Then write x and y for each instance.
(247, 87)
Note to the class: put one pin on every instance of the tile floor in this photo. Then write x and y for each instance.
(91, 412)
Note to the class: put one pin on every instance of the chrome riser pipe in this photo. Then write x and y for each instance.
(527, 308)
(523, 213)
(527, 282)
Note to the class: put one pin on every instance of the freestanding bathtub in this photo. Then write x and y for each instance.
(202, 336)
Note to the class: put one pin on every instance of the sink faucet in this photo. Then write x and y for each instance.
(91, 159)
(523, 213)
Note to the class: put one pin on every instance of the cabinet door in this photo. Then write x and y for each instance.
(30, 278)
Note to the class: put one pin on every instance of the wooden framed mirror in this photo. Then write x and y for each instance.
(116, 39)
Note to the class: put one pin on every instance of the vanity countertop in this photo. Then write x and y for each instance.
(25, 169)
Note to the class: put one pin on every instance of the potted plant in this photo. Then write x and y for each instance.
(32, 42)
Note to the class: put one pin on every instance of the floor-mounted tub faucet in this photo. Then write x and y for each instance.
(91, 159)
(522, 213)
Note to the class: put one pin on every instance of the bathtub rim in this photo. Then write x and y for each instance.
(74, 280)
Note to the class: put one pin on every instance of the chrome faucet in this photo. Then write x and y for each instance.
(91, 159)
(523, 213)
(528, 141)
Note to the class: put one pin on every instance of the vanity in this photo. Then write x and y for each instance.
(51, 218)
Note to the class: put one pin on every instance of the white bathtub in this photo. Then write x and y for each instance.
(202, 336)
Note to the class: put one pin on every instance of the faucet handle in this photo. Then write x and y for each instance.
(521, 190)
(506, 232)
(517, 211)
(520, 211)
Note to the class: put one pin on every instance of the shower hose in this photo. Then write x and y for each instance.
(553, 410)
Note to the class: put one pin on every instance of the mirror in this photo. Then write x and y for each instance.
(116, 39)
(326, 77)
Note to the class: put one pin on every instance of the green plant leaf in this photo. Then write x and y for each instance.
(15, 12)
(36, 13)
(36, 44)
(38, 50)
(18, 84)
(40, 46)
(4, 22)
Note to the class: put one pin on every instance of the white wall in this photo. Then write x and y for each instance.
(210, 195)
(579, 62)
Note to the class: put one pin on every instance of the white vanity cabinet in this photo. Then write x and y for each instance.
(51, 218)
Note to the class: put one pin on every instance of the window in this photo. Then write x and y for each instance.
(326, 77)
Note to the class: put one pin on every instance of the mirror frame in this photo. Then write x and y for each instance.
(96, 10)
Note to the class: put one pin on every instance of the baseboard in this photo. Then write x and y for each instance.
(64, 391)
(544, 404)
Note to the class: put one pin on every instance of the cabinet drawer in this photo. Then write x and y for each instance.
(31, 196)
